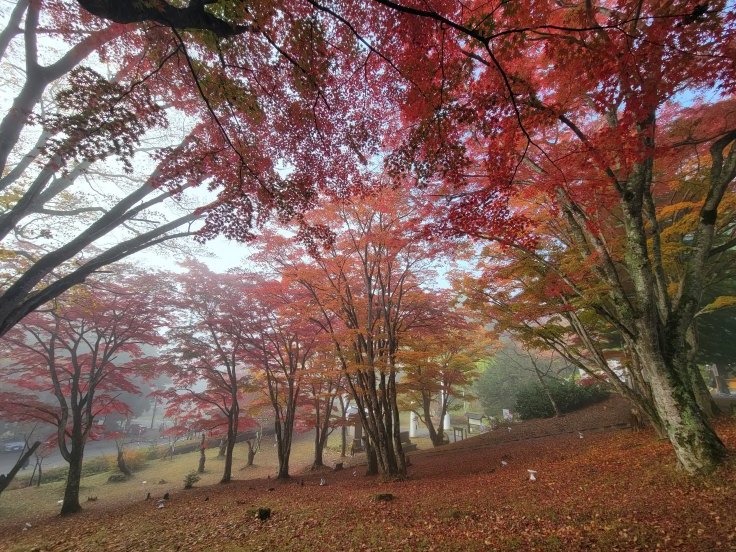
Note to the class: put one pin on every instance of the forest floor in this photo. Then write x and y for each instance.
(607, 490)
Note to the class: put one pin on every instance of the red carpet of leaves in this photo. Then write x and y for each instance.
(614, 490)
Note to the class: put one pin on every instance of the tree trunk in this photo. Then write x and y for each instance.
(251, 454)
(71, 503)
(545, 387)
(283, 433)
(434, 437)
(697, 447)
(283, 472)
(700, 389)
(343, 440)
(318, 450)
(122, 466)
(202, 457)
(5, 480)
(370, 453)
(702, 394)
(229, 447)
(719, 374)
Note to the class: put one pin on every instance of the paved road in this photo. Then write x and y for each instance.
(93, 448)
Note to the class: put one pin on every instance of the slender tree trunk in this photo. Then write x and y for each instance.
(700, 389)
(426, 408)
(122, 466)
(702, 394)
(719, 372)
(251, 453)
(394, 415)
(343, 440)
(5, 480)
(202, 457)
(547, 392)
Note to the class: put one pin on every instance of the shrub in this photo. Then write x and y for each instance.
(153, 452)
(190, 479)
(532, 401)
(136, 459)
(98, 464)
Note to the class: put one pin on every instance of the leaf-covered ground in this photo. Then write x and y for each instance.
(615, 490)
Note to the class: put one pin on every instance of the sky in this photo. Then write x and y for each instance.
(220, 254)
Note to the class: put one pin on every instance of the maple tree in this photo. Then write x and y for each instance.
(577, 105)
(439, 364)
(70, 361)
(366, 292)
(579, 109)
(281, 343)
(321, 386)
(207, 365)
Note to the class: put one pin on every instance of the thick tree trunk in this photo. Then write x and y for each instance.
(661, 331)
(283, 472)
(318, 454)
(372, 458)
(283, 444)
(229, 447)
(697, 447)
(71, 504)
(251, 454)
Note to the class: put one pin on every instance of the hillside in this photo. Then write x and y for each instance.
(610, 490)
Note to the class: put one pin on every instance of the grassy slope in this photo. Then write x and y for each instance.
(608, 491)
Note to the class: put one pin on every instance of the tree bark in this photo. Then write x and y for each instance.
(697, 447)
(252, 450)
(427, 419)
(229, 447)
(232, 434)
(202, 457)
(719, 374)
(71, 504)
(122, 466)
